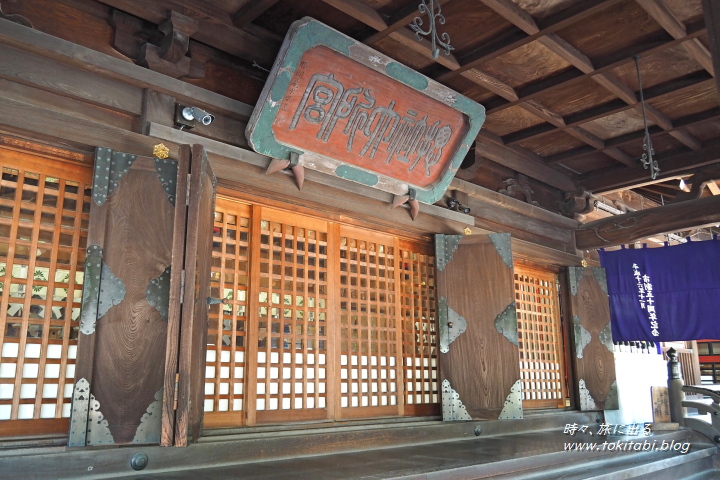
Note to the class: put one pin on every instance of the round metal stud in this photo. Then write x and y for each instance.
(139, 461)
(478, 431)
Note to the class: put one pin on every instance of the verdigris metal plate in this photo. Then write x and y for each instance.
(110, 168)
(91, 289)
(601, 277)
(506, 323)
(157, 293)
(79, 414)
(151, 422)
(512, 408)
(98, 432)
(112, 291)
(587, 402)
(167, 171)
(582, 337)
(452, 407)
(501, 242)
(445, 246)
(450, 324)
(352, 112)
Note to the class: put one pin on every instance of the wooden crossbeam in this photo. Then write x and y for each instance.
(634, 226)
(250, 11)
(670, 166)
(665, 17)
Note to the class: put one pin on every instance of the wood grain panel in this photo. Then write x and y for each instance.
(551, 143)
(481, 365)
(131, 337)
(525, 64)
(594, 361)
(616, 124)
(627, 23)
(589, 163)
(583, 95)
(510, 120)
(658, 67)
(688, 101)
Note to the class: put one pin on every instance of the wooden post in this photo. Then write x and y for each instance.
(675, 384)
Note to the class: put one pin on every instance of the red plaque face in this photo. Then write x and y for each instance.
(339, 108)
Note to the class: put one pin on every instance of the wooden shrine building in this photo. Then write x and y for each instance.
(292, 237)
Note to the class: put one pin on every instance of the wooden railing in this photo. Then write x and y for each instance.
(679, 404)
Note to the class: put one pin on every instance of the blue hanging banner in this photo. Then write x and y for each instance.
(664, 294)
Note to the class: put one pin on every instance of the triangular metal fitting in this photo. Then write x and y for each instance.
(445, 246)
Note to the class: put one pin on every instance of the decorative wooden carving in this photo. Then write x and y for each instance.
(578, 202)
(519, 186)
(700, 178)
(15, 18)
(165, 50)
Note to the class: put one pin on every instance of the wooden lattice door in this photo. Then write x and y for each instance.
(479, 359)
(593, 347)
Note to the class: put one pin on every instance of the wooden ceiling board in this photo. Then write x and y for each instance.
(687, 101)
(526, 64)
(280, 16)
(582, 96)
(662, 143)
(658, 68)
(540, 9)
(685, 10)
(469, 24)
(470, 89)
(617, 124)
(709, 130)
(394, 49)
(551, 143)
(388, 7)
(510, 120)
(590, 163)
(229, 6)
(613, 30)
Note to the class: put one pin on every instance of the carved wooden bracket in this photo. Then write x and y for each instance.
(576, 203)
(700, 178)
(518, 186)
(165, 50)
(15, 18)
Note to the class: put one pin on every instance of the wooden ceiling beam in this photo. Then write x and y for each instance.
(567, 81)
(398, 20)
(711, 10)
(360, 12)
(250, 11)
(671, 165)
(693, 80)
(665, 17)
(633, 226)
(215, 27)
(566, 17)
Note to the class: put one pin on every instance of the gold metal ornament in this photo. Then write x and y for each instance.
(161, 151)
(584, 263)
(467, 231)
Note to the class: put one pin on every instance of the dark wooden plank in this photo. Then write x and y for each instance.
(193, 331)
(481, 365)
(532, 169)
(634, 226)
(157, 107)
(671, 163)
(53, 76)
(594, 359)
(250, 11)
(171, 378)
(131, 338)
(85, 59)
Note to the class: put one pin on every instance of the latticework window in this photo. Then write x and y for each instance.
(540, 338)
(368, 321)
(418, 312)
(227, 324)
(44, 213)
(292, 322)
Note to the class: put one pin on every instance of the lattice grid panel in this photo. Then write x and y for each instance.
(227, 322)
(293, 313)
(368, 323)
(419, 321)
(540, 338)
(43, 234)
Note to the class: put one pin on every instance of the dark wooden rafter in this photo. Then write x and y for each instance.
(634, 226)
(673, 165)
(215, 27)
(250, 11)
(517, 16)
(711, 10)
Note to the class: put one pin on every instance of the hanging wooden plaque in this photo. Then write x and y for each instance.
(350, 111)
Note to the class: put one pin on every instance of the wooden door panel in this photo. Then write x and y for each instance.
(594, 360)
(118, 394)
(480, 367)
